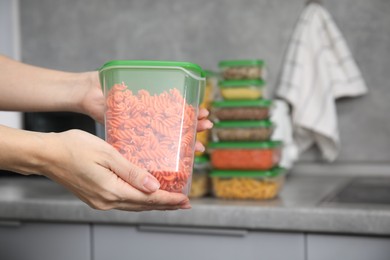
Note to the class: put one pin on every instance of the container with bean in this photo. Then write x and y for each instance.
(242, 130)
(242, 69)
(256, 185)
(241, 109)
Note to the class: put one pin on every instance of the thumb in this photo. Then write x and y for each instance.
(137, 177)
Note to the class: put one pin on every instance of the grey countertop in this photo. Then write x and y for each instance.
(299, 208)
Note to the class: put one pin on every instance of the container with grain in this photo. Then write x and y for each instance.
(255, 185)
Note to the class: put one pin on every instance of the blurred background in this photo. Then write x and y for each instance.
(81, 35)
(78, 35)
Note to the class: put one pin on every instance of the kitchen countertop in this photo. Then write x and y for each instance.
(299, 208)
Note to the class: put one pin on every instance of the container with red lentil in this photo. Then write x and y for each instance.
(242, 130)
(256, 185)
(241, 109)
(242, 69)
(245, 155)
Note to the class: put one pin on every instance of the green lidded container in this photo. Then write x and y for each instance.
(242, 69)
(248, 155)
(249, 89)
(200, 185)
(240, 184)
(242, 130)
(241, 109)
(151, 113)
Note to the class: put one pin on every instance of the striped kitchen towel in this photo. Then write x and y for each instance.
(318, 68)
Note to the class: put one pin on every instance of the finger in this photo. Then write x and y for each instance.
(203, 113)
(132, 199)
(204, 124)
(132, 174)
(199, 147)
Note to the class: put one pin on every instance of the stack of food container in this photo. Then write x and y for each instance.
(200, 178)
(243, 157)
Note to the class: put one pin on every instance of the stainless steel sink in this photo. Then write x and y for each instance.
(362, 190)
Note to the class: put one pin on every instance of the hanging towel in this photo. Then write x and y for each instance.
(318, 69)
(280, 116)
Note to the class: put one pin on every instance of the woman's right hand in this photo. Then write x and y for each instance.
(100, 176)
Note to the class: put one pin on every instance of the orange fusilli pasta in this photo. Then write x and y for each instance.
(156, 132)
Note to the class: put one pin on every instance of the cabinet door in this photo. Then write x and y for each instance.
(44, 241)
(325, 247)
(162, 242)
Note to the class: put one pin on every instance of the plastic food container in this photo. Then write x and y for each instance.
(242, 130)
(245, 155)
(200, 179)
(241, 109)
(242, 69)
(256, 185)
(151, 116)
(241, 89)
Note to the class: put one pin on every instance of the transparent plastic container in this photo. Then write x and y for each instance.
(241, 89)
(211, 79)
(241, 109)
(255, 185)
(242, 130)
(245, 155)
(242, 69)
(200, 178)
(151, 116)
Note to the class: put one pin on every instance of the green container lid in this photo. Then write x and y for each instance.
(150, 63)
(242, 103)
(274, 172)
(241, 83)
(210, 73)
(243, 124)
(245, 145)
(240, 63)
(201, 159)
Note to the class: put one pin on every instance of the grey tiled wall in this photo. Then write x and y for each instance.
(79, 35)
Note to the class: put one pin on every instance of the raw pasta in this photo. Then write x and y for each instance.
(156, 132)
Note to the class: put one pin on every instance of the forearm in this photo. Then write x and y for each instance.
(23, 151)
(29, 88)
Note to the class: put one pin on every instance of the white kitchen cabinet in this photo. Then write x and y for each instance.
(326, 247)
(163, 242)
(44, 241)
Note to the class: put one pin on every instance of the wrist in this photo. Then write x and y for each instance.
(23, 151)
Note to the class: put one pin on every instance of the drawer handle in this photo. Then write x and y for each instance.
(194, 231)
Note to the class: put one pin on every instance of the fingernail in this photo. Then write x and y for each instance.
(209, 125)
(151, 184)
(186, 206)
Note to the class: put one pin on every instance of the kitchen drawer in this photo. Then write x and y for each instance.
(44, 241)
(326, 247)
(163, 242)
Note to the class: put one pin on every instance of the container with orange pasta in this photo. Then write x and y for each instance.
(151, 116)
(251, 155)
(256, 185)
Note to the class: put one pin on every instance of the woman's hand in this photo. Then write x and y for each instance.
(100, 176)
